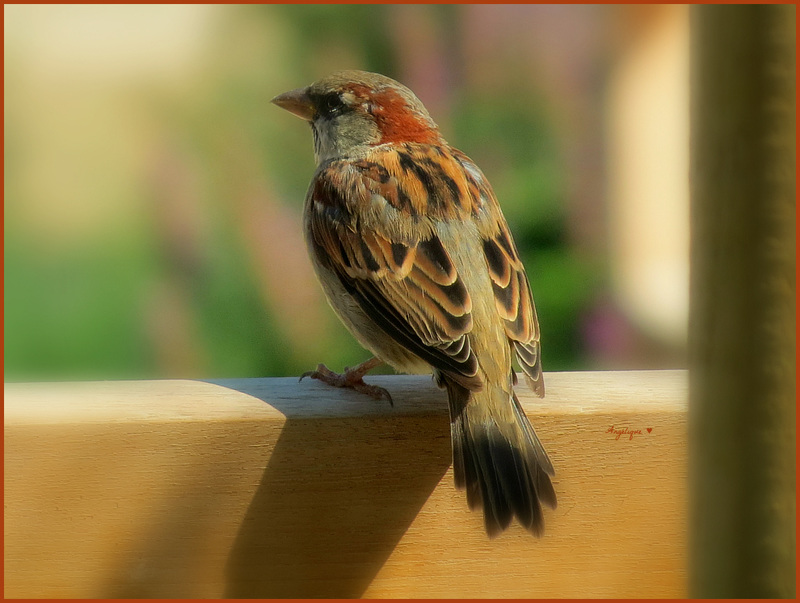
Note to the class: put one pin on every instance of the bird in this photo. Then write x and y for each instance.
(414, 255)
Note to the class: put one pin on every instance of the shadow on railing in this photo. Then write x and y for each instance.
(283, 548)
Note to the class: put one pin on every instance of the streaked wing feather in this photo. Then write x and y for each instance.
(512, 291)
(402, 277)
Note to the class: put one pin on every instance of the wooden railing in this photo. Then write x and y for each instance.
(270, 488)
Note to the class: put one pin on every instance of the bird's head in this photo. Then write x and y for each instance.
(350, 111)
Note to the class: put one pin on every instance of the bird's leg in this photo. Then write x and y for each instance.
(352, 378)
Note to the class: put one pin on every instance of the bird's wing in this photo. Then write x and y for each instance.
(380, 238)
(512, 291)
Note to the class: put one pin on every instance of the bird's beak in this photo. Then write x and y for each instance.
(297, 102)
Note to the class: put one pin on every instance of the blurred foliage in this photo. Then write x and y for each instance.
(70, 315)
(184, 284)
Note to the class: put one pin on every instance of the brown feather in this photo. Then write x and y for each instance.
(409, 287)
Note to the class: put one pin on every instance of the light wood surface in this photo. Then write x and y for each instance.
(273, 488)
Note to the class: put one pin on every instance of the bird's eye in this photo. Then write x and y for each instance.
(331, 105)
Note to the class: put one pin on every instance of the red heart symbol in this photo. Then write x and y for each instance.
(649, 429)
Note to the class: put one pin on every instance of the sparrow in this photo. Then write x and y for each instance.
(415, 257)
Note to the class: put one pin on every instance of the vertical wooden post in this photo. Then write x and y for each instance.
(742, 323)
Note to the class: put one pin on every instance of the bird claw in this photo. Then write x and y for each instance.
(352, 378)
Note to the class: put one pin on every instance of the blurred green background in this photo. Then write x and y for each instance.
(153, 195)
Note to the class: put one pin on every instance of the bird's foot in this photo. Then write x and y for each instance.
(352, 378)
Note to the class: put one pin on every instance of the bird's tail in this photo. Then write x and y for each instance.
(498, 459)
